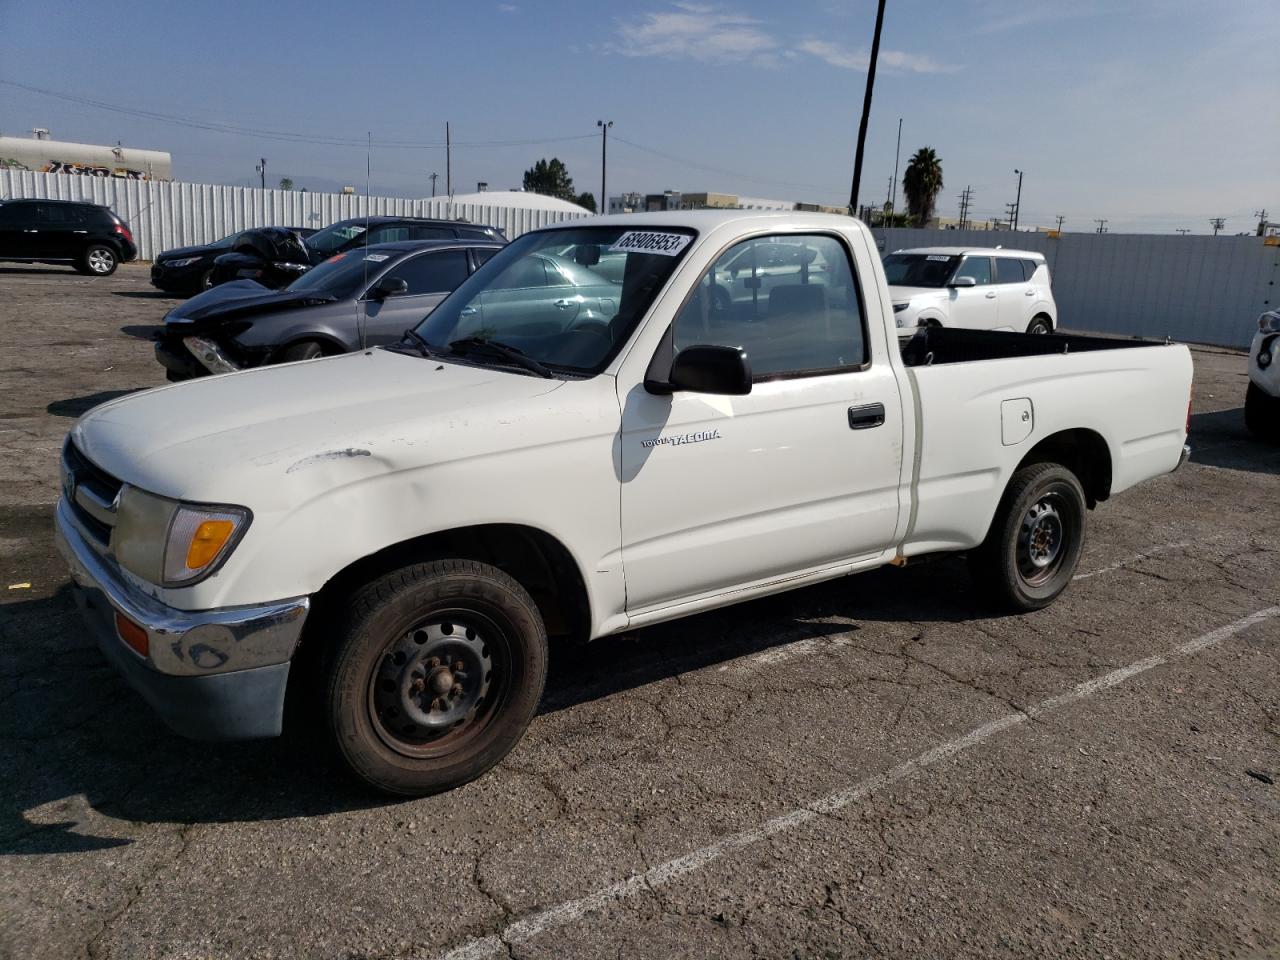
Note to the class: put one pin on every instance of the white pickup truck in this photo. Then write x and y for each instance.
(404, 527)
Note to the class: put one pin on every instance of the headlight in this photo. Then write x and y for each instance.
(184, 262)
(174, 544)
(1269, 322)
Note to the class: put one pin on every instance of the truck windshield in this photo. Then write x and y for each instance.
(919, 269)
(566, 298)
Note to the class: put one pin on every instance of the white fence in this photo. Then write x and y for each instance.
(167, 214)
(1199, 289)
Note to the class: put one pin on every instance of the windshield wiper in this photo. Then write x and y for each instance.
(425, 348)
(503, 350)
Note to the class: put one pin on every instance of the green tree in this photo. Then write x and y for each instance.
(922, 182)
(587, 200)
(286, 183)
(550, 178)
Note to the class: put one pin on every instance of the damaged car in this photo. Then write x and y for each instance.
(363, 297)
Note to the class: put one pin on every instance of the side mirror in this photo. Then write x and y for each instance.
(707, 369)
(388, 287)
(963, 282)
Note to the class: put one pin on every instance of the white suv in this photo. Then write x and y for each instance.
(974, 287)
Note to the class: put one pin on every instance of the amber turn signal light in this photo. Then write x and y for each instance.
(133, 635)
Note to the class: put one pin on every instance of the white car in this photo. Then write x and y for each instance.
(977, 288)
(398, 530)
(1262, 397)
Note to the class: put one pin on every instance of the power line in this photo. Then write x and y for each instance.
(710, 169)
(287, 136)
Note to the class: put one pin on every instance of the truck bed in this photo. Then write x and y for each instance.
(938, 345)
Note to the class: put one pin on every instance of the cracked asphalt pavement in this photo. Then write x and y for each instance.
(874, 767)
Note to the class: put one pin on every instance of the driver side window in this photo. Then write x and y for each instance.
(804, 321)
(977, 267)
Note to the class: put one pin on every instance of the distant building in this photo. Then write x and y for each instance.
(677, 200)
(42, 155)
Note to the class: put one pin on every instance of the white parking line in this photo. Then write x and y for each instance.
(1136, 558)
(664, 873)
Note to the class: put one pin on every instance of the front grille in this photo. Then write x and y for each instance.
(91, 494)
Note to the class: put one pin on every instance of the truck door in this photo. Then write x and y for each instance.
(800, 474)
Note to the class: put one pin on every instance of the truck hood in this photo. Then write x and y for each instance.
(903, 294)
(248, 437)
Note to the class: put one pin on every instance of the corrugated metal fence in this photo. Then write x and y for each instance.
(167, 214)
(1196, 289)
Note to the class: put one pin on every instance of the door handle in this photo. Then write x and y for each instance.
(565, 304)
(467, 312)
(865, 416)
(1029, 293)
(30, 231)
(991, 295)
(79, 231)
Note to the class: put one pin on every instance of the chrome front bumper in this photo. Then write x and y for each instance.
(211, 674)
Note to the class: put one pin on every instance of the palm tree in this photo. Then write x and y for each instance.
(921, 183)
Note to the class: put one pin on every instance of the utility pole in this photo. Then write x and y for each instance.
(448, 161)
(262, 170)
(1182, 230)
(897, 155)
(1102, 225)
(1017, 204)
(1060, 219)
(966, 198)
(604, 162)
(1217, 223)
(434, 177)
(1262, 221)
(887, 213)
(866, 108)
(1010, 212)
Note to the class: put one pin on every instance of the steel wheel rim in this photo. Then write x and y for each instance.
(1042, 540)
(1039, 327)
(437, 685)
(100, 261)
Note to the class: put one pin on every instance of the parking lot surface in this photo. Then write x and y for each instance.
(878, 766)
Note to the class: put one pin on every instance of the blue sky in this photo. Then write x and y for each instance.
(1152, 114)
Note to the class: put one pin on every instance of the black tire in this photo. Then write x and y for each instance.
(305, 350)
(1261, 413)
(205, 282)
(390, 718)
(1040, 324)
(98, 260)
(1034, 545)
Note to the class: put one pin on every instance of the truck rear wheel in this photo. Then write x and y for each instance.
(1033, 547)
(1261, 413)
(438, 672)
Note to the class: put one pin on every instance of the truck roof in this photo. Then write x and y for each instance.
(705, 220)
(962, 251)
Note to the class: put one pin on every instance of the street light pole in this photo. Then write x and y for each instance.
(604, 161)
(866, 109)
(262, 169)
(1017, 203)
(897, 155)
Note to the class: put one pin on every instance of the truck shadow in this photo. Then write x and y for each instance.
(1220, 439)
(74, 407)
(87, 761)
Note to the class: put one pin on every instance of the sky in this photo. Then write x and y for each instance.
(1153, 114)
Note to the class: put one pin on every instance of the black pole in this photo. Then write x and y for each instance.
(604, 158)
(866, 108)
(1017, 203)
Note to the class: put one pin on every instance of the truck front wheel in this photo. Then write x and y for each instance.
(438, 671)
(1031, 552)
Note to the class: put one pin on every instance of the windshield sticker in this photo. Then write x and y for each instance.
(647, 241)
(377, 257)
(934, 256)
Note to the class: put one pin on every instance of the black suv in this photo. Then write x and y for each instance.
(86, 235)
